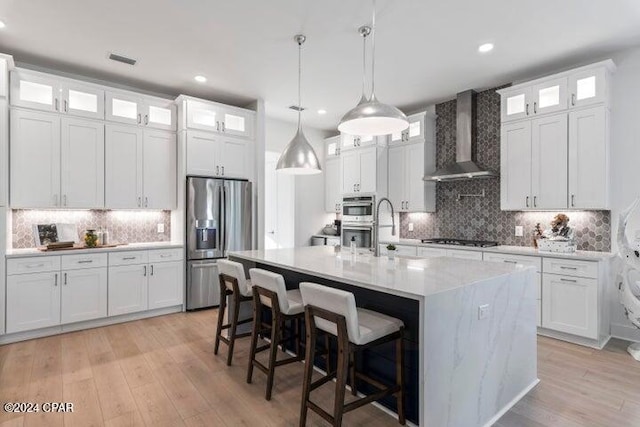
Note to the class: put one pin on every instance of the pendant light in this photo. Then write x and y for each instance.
(370, 116)
(299, 158)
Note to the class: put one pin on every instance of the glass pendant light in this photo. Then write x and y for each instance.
(299, 158)
(370, 116)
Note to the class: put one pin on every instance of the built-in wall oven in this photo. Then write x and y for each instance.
(358, 221)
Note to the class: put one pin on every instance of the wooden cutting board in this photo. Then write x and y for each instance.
(78, 247)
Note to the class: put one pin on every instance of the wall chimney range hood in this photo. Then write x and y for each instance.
(465, 167)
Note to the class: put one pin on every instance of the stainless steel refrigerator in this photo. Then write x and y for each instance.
(218, 221)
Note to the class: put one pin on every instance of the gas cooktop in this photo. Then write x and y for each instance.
(461, 242)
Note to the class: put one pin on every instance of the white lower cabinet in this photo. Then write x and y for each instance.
(570, 304)
(455, 253)
(165, 284)
(84, 295)
(127, 289)
(33, 301)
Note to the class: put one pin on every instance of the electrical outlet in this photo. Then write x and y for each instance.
(519, 231)
(483, 311)
(410, 226)
(160, 228)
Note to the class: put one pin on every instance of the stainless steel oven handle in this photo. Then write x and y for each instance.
(353, 227)
(213, 264)
(363, 204)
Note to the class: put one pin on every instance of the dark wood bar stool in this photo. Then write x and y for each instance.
(334, 311)
(269, 290)
(233, 283)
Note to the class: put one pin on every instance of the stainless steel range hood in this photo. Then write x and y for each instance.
(465, 167)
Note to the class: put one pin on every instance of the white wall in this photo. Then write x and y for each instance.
(625, 164)
(309, 216)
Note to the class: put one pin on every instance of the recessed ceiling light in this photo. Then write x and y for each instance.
(322, 111)
(2, 24)
(484, 48)
(200, 79)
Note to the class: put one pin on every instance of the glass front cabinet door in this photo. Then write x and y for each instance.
(34, 91)
(515, 104)
(549, 96)
(587, 87)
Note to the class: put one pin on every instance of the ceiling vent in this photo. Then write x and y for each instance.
(296, 108)
(123, 59)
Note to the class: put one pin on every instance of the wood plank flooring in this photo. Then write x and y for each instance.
(162, 372)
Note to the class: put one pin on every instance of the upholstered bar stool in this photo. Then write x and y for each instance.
(269, 290)
(233, 282)
(334, 311)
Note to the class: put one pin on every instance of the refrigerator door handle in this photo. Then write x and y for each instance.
(224, 218)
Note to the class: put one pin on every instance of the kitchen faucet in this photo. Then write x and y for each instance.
(376, 246)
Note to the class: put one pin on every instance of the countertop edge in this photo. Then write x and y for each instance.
(33, 252)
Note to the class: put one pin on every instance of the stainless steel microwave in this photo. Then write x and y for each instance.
(358, 209)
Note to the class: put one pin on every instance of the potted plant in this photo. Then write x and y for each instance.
(391, 251)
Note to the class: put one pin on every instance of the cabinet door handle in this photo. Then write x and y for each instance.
(535, 110)
(218, 126)
(145, 271)
(152, 269)
(573, 99)
(65, 278)
(64, 198)
(66, 106)
(146, 202)
(34, 265)
(57, 104)
(573, 200)
(527, 201)
(128, 258)
(406, 204)
(217, 170)
(568, 268)
(222, 170)
(139, 118)
(223, 128)
(55, 200)
(509, 262)
(562, 279)
(139, 202)
(55, 281)
(85, 261)
(535, 202)
(527, 109)
(146, 119)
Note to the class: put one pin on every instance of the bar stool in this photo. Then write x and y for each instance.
(269, 290)
(334, 311)
(233, 282)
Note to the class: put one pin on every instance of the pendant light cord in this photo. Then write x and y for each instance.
(364, 63)
(299, 82)
(373, 51)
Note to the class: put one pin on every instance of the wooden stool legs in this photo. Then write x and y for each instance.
(234, 323)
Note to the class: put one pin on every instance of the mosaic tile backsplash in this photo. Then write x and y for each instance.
(481, 218)
(123, 226)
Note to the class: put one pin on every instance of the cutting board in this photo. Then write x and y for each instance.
(79, 247)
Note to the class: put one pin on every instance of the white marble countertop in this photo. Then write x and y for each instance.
(410, 277)
(329, 236)
(515, 250)
(29, 252)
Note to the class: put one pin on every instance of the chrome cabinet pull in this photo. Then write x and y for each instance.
(217, 170)
(55, 200)
(535, 110)
(57, 104)
(222, 170)
(535, 203)
(145, 271)
(146, 119)
(527, 201)
(573, 200)
(139, 118)
(223, 128)
(55, 282)
(64, 198)
(66, 106)
(562, 279)
(407, 204)
(128, 258)
(139, 202)
(65, 278)
(568, 268)
(146, 202)
(34, 265)
(509, 262)
(527, 109)
(152, 269)
(218, 126)
(573, 99)
(85, 261)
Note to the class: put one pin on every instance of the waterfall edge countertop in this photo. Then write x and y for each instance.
(410, 277)
(471, 323)
(32, 252)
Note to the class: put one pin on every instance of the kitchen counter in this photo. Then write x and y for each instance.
(470, 327)
(515, 250)
(33, 252)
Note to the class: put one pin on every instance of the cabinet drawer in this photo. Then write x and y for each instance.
(162, 255)
(128, 258)
(455, 253)
(431, 252)
(33, 264)
(75, 262)
(569, 267)
(528, 261)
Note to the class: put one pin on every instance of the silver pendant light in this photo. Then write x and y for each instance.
(370, 116)
(299, 158)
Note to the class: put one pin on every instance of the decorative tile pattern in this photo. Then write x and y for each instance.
(123, 226)
(481, 218)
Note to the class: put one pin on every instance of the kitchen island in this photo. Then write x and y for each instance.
(470, 338)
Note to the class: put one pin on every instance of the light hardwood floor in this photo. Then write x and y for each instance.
(162, 372)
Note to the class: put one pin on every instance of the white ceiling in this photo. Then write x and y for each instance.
(426, 49)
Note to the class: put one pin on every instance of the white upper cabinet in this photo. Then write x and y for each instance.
(123, 167)
(35, 90)
(368, 171)
(332, 147)
(210, 154)
(350, 142)
(82, 163)
(333, 185)
(82, 100)
(418, 130)
(135, 109)
(549, 96)
(159, 169)
(407, 190)
(549, 162)
(515, 103)
(589, 159)
(397, 176)
(588, 87)
(515, 166)
(35, 159)
(234, 156)
(214, 117)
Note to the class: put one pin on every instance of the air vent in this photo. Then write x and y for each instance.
(123, 59)
(296, 108)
